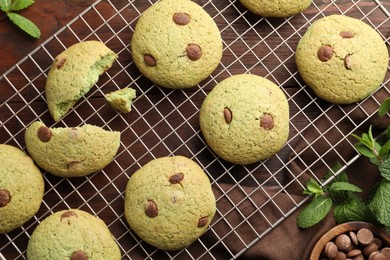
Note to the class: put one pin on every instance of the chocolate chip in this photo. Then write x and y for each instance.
(149, 60)
(386, 251)
(59, 61)
(267, 122)
(194, 52)
(358, 257)
(343, 242)
(353, 237)
(176, 178)
(325, 53)
(228, 115)
(68, 214)
(203, 221)
(371, 256)
(340, 256)
(79, 255)
(365, 236)
(44, 134)
(354, 252)
(181, 18)
(370, 249)
(330, 250)
(5, 197)
(378, 256)
(347, 34)
(347, 62)
(151, 209)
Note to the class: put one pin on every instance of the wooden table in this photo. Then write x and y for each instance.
(164, 122)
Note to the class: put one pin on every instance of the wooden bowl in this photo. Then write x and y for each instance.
(346, 227)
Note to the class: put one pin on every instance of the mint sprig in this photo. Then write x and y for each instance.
(342, 194)
(324, 198)
(10, 6)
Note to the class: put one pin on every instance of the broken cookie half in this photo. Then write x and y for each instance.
(73, 74)
(71, 151)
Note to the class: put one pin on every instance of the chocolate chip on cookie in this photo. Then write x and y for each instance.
(44, 134)
(151, 209)
(150, 60)
(176, 178)
(194, 52)
(181, 18)
(325, 53)
(79, 255)
(5, 197)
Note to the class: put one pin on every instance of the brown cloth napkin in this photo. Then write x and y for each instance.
(286, 240)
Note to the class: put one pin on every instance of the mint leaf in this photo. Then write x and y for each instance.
(364, 139)
(384, 151)
(25, 24)
(387, 132)
(384, 169)
(313, 188)
(20, 4)
(5, 5)
(384, 107)
(380, 203)
(343, 186)
(315, 211)
(364, 150)
(353, 209)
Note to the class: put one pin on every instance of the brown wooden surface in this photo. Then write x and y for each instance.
(50, 16)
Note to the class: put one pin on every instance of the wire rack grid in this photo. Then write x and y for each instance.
(251, 200)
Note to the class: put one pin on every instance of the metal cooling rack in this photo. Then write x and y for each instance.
(165, 122)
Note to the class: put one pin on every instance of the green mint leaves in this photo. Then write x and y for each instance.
(10, 6)
(21, 4)
(341, 194)
(325, 198)
(384, 107)
(354, 208)
(25, 24)
(380, 203)
(315, 211)
(313, 188)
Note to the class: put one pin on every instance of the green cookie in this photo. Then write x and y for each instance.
(121, 99)
(21, 188)
(169, 202)
(245, 119)
(342, 59)
(72, 234)
(71, 152)
(176, 44)
(73, 73)
(276, 8)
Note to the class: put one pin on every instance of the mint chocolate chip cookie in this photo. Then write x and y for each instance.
(245, 119)
(21, 188)
(72, 234)
(342, 59)
(71, 151)
(169, 202)
(73, 73)
(176, 44)
(276, 8)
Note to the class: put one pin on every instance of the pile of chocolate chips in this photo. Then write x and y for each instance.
(358, 245)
